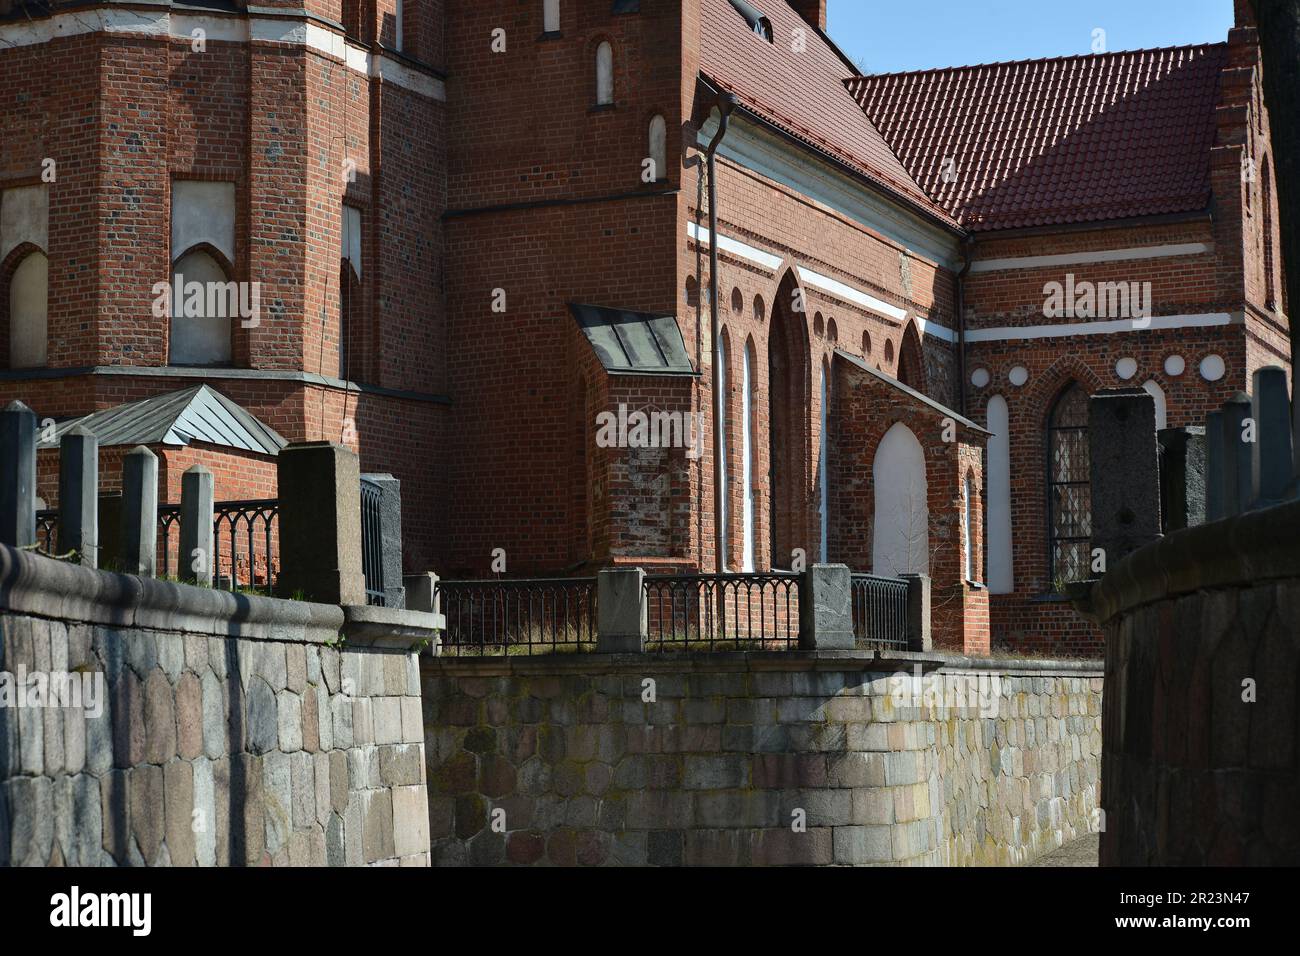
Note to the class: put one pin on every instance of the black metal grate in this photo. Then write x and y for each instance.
(879, 612)
(372, 542)
(749, 612)
(542, 616)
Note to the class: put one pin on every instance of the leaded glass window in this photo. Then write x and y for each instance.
(1069, 493)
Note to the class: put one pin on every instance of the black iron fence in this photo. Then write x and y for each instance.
(748, 612)
(542, 616)
(879, 611)
(372, 542)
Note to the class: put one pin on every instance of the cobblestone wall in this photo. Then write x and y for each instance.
(270, 747)
(1202, 646)
(759, 759)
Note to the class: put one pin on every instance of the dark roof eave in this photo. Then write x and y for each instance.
(637, 373)
(877, 186)
(1090, 225)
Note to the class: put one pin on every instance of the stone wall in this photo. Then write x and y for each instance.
(1202, 643)
(218, 729)
(560, 760)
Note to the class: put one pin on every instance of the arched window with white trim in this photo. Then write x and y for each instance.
(823, 479)
(605, 74)
(204, 301)
(968, 528)
(29, 312)
(749, 549)
(1000, 573)
(658, 146)
(1158, 394)
(720, 369)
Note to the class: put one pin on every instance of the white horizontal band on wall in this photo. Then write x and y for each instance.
(1154, 324)
(230, 29)
(1083, 258)
(815, 279)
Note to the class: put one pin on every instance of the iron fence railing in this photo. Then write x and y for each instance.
(541, 616)
(245, 538)
(750, 612)
(372, 542)
(879, 611)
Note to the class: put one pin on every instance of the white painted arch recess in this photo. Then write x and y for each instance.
(999, 573)
(901, 529)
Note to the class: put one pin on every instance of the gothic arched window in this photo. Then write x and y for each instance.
(1069, 489)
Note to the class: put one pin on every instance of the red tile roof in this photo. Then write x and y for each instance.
(803, 94)
(1041, 142)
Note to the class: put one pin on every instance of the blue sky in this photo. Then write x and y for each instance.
(885, 36)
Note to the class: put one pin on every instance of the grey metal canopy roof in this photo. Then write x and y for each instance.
(924, 399)
(200, 413)
(634, 343)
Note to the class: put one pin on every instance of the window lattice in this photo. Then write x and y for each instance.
(1069, 493)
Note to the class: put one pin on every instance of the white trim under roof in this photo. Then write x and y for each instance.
(295, 27)
(1083, 258)
(1155, 324)
(828, 285)
(762, 151)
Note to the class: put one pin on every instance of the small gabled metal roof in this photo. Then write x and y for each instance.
(923, 399)
(200, 413)
(634, 343)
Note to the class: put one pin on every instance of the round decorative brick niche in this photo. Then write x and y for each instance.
(1018, 376)
(980, 377)
(1126, 368)
(1213, 367)
(1175, 365)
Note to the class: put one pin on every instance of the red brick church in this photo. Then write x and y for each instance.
(472, 240)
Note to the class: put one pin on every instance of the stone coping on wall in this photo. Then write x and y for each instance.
(1235, 552)
(724, 661)
(40, 586)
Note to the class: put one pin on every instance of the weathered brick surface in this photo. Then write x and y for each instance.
(735, 765)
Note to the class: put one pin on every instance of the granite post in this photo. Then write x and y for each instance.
(1271, 450)
(1125, 474)
(198, 539)
(320, 523)
(918, 612)
(79, 495)
(139, 516)
(622, 612)
(1237, 454)
(18, 476)
(826, 608)
(1183, 477)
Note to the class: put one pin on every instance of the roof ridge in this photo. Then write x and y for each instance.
(1035, 60)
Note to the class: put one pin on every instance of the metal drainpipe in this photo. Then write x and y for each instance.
(726, 103)
(967, 251)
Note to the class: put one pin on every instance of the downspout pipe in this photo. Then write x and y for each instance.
(967, 252)
(726, 102)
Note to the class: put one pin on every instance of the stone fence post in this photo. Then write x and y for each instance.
(79, 495)
(198, 541)
(918, 612)
(18, 476)
(320, 523)
(1125, 471)
(1271, 450)
(622, 612)
(421, 592)
(139, 538)
(1236, 455)
(1182, 477)
(390, 537)
(826, 608)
